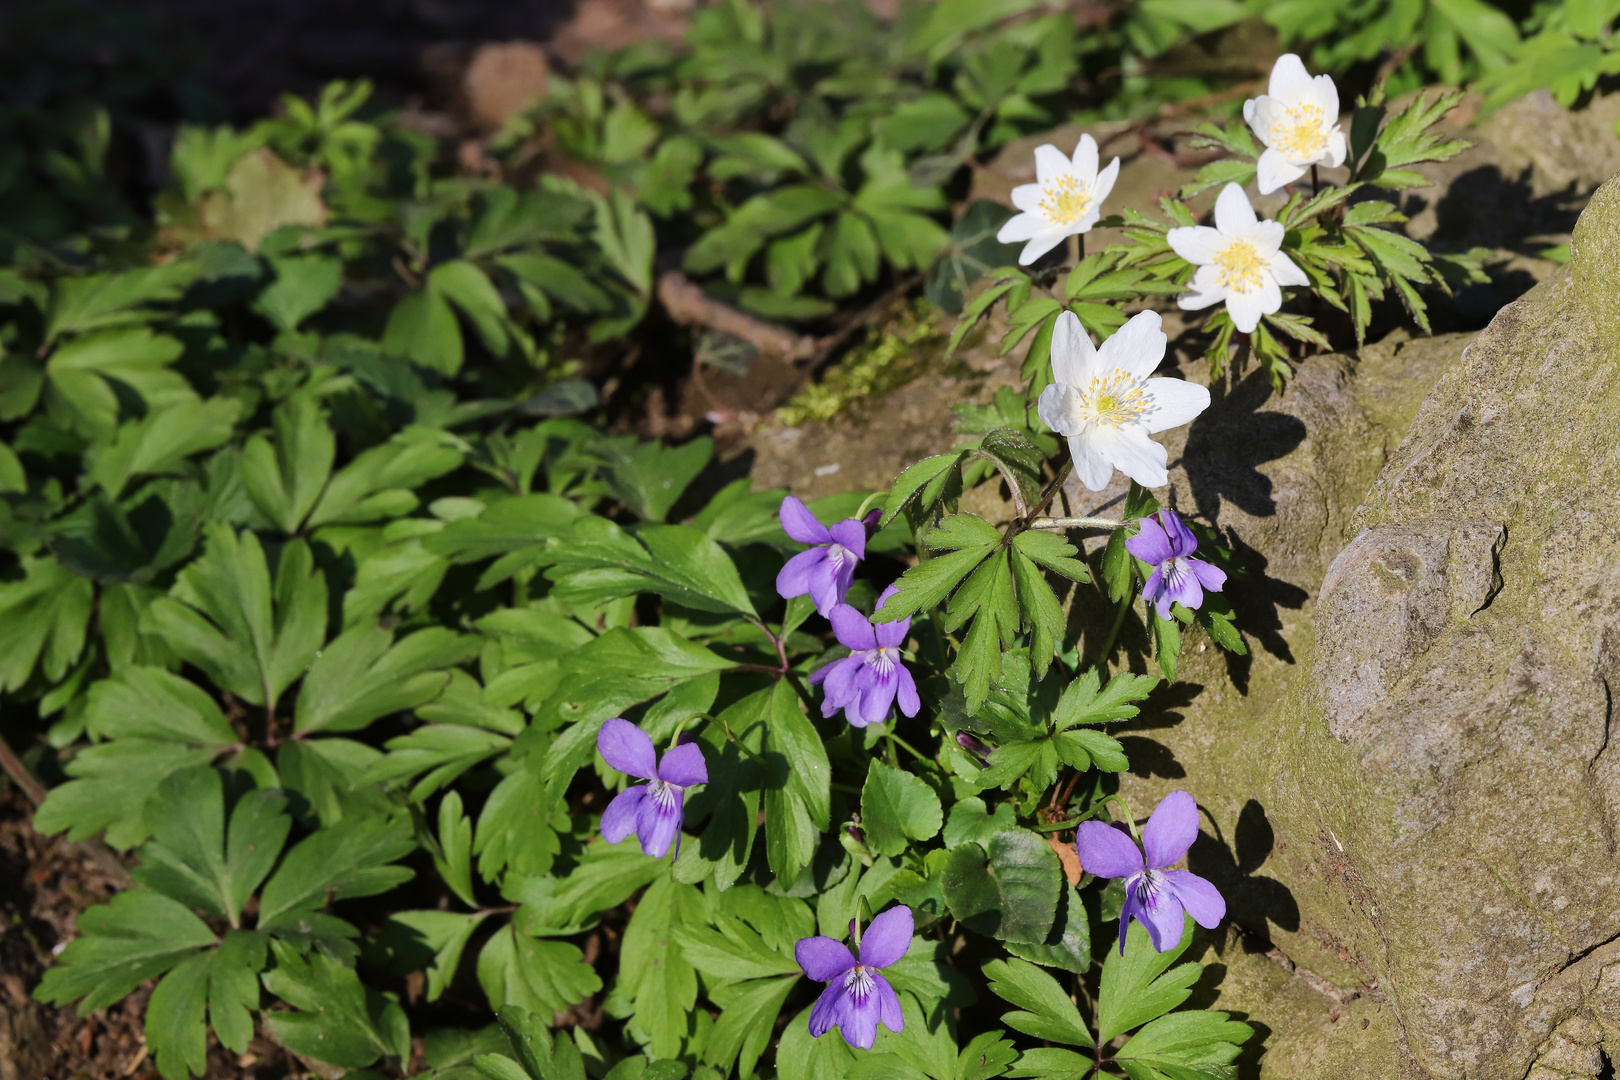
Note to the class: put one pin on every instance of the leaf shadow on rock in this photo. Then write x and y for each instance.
(1254, 902)
(1226, 446)
(1149, 757)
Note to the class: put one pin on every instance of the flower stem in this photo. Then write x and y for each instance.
(1052, 489)
(755, 758)
(1058, 524)
(1129, 818)
(909, 748)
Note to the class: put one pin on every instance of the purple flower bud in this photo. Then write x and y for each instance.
(866, 683)
(653, 811)
(857, 997)
(1166, 544)
(973, 745)
(1155, 895)
(826, 570)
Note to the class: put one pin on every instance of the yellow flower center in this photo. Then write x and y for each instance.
(1240, 266)
(1298, 133)
(1113, 400)
(1065, 200)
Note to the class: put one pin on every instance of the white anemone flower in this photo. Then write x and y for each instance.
(1240, 261)
(1107, 403)
(1298, 121)
(1066, 199)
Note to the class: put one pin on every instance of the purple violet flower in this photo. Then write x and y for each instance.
(866, 683)
(973, 745)
(826, 570)
(1155, 895)
(1167, 545)
(654, 811)
(857, 997)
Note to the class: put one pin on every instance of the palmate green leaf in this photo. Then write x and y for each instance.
(348, 859)
(656, 979)
(1087, 701)
(1184, 1045)
(1051, 1063)
(454, 858)
(364, 674)
(896, 808)
(731, 799)
(971, 823)
(747, 1023)
(534, 974)
(1007, 889)
(81, 374)
(513, 531)
(302, 286)
(163, 440)
(329, 778)
(134, 937)
(1045, 1010)
(533, 1047)
(1139, 984)
(80, 304)
(989, 599)
(422, 328)
(340, 1021)
(43, 616)
(428, 941)
(969, 539)
(648, 478)
(225, 982)
(193, 858)
(921, 485)
(801, 1057)
(379, 482)
(972, 253)
(606, 876)
(603, 562)
(154, 723)
(285, 478)
(224, 617)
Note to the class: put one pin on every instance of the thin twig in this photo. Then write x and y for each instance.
(1060, 524)
(689, 305)
(19, 773)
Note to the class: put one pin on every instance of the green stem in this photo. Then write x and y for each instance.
(1113, 633)
(743, 747)
(1129, 818)
(909, 748)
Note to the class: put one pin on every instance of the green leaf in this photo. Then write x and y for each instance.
(43, 617)
(1008, 889)
(647, 476)
(534, 974)
(285, 479)
(134, 937)
(657, 977)
(339, 1022)
(347, 859)
(378, 482)
(303, 285)
(678, 562)
(971, 823)
(969, 539)
(797, 794)
(1087, 701)
(364, 674)
(223, 616)
(917, 483)
(429, 941)
(82, 375)
(800, 1057)
(897, 807)
(175, 1033)
(162, 441)
(745, 1026)
(1045, 1009)
(189, 858)
(1139, 984)
(1068, 946)
(422, 328)
(972, 253)
(454, 862)
(1194, 1043)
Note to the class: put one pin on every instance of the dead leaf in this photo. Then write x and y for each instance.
(261, 194)
(1069, 857)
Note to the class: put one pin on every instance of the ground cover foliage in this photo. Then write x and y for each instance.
(324, 572)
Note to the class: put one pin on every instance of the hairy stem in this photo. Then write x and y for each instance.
(1060, 524)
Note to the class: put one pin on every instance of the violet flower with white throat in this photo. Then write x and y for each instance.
(1105, 402)
(1065, 200)
(1298, 121)
(1239, 261)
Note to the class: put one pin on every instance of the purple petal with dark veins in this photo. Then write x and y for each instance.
(657, 825)
(852, 534)
(859, 1019)
(1164, 919)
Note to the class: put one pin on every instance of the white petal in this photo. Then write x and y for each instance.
(1275, 171)
(1262, 116)
(1090, 467)
(1027, 197)
(1039, 245)
(1055, 405)
(1021, 227)
(1270, 295)
(1105, 184)
(1266, 236)
(1085, 160)
(1336, 149)
(1084, 224)
(1286, 271)
(1327, 97)
(1175, 402)
(1244, 309)
(1131, 452)
(1050, 163)
(1137, 347)
(1289, 79)
(1203, 290)
(1074, 359)
(1233, 214)
(1198, 244)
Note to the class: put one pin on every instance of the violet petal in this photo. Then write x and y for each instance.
(619, 819)
(627, 748)
(1106, 851)
(822, 958)
(851, 628)
(799, 523)
(801, 572)
(1210, 577)
(887, 938)
(1151, 545)
(828, 1009)
(852, 534)
(1201, 899)
(907, 692)
(657, 826)
(1171, 830)
(684, 766)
